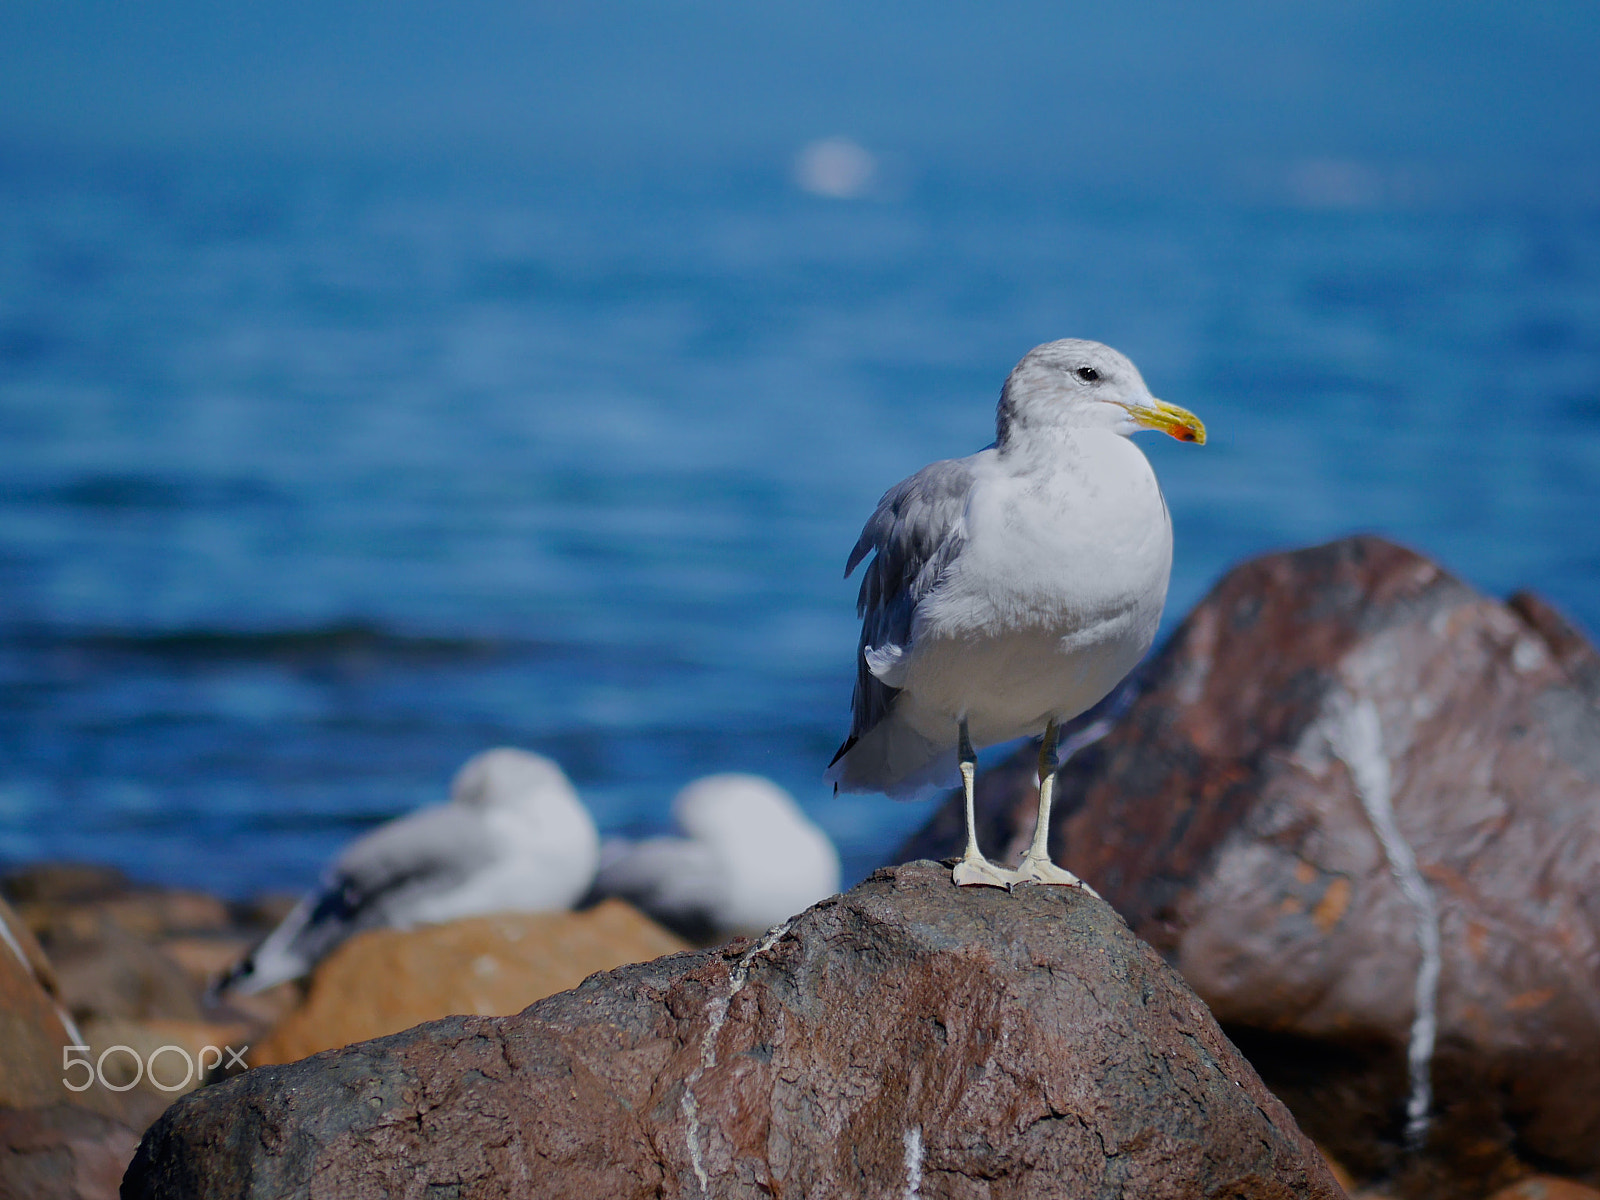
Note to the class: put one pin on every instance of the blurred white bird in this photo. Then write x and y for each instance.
(750, 860)
(514, 836)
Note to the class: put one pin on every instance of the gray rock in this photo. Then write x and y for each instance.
(906, 1038)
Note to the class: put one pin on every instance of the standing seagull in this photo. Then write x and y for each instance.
(1011, 590)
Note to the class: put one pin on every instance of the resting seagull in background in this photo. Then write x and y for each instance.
(750, 860)
(514, 836)
(1011, 590)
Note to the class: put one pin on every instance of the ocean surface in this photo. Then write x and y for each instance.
(316, 480)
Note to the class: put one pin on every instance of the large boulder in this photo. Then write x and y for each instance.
(1235, 816)
(906, 1038)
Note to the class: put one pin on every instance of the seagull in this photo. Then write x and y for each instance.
(751, 860)
(514, 836)
(1011, 590)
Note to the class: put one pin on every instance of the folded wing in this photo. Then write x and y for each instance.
(916, 533)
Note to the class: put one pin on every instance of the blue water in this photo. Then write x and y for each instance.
(314, 481)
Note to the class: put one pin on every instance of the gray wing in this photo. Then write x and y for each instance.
(375, 882)
(428, 852)
(917, 530)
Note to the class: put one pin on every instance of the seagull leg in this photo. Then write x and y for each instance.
(1036, 866)
(974, 870)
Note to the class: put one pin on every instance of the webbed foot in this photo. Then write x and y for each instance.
(1037, 869)
(977, 871)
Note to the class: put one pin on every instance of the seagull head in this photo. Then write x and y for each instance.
(753, 818)
(734, 807)
(774, 860)
(1076, 384)
(507, 776)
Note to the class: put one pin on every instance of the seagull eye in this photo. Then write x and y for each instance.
(1088, 374)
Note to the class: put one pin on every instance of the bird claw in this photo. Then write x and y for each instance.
(980, 872)
(1042, 870)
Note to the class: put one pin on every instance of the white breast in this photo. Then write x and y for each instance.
(1057, 593)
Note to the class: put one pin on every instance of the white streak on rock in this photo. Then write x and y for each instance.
(1357, 737)
(717, 1013)
(16, 946)
(1527, 655)
(914, 1152)
(74, 1034)
(691, 1112)
(68, 1025)
(741, 970)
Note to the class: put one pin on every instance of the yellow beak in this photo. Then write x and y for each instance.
(1170, 419)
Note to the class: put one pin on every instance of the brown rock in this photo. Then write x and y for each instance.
(908, 1037)
(1224, 819)
(54, 882)
(262, 1010)
(1578, 658)
(66, 903)
(125, 950)
(167, 911)
(266, 912)
(111, 972)
(386, 980)
(62, 1153)
(204, 957)
(146, 914)
(1340, 1175)
(32, 1031)
(1547, 1187)
(20, 938)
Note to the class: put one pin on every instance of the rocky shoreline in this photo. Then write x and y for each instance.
(105, 1016)
(1354, 806)
(903, 1038)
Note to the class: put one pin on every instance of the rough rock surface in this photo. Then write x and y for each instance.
(1227, 818)
(62, 1152)
(906, 1038)
(386, 980)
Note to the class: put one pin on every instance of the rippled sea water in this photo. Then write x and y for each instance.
(313, 482)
